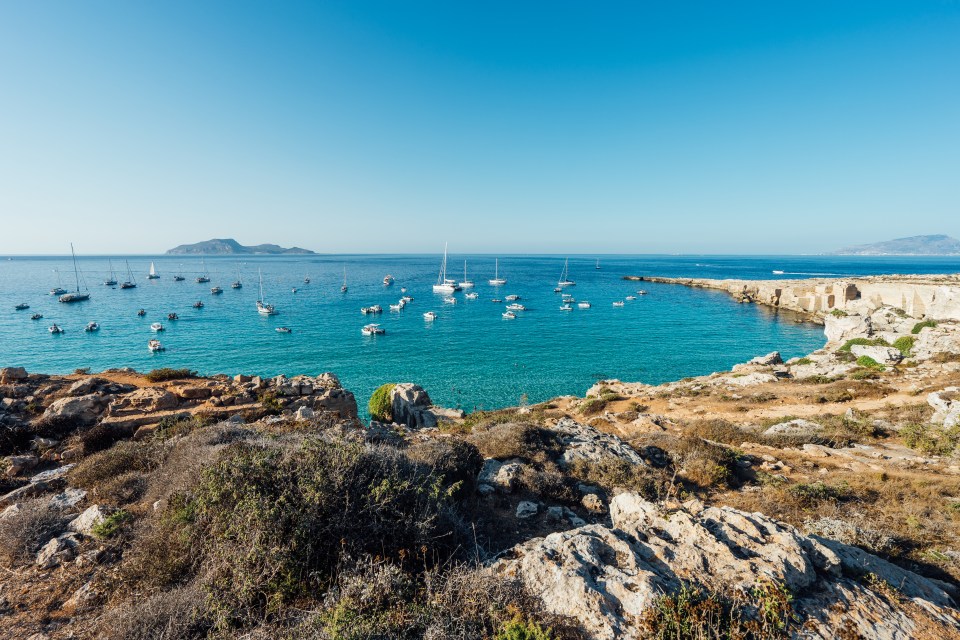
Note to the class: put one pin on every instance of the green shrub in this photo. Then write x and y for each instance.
(803, 360)
(930, 440)
(920, 326)
(866, 342)
(271, 403)
(381, 404)
(165, 374)
(869, 363)
(904, 344)
(838, 313)
(816, 492)
(123, 457)
(111, 525)
(520, 629)
(864, 374)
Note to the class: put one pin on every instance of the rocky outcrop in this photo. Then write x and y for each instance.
(411, 406)
(607, 577)
(84, 410)
(12, 375)
(946, 405)
(583, 442)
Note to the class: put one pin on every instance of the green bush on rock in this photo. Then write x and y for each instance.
(381, 403)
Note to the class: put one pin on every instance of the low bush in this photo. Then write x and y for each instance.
(838, 313)
(704, 463)
(869, 363)
(866, 342)
(611, 473)
(25, 531)
(930, 440)
(905, 345)
(516, 440)
(864, 373)
(111, 525)
(178, 613)
(920, 326)
(98, 438)
(166, 374)
(802, 361)
(122, 458)
(381, 404)
(456, 462)
(813, 493)
(522, 629)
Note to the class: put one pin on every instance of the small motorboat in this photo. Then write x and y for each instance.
(141, 313)
(631, 297)
(372, 330)
(202, 279)
(509, 315)
(472, 296)
(618, 303)
(198, 305)
(450, 300)
(306, 280)
(430, 316)
(57, 291)
(154, 346)
(294, 290)
(557, 290)
(583, 305)
(283, 330)
(512, 297)
(23, 306)
(237, 285)
(55, 329)
(172, 316)
(403, 289)
(566, 307)
(778, 272)
(374, 309)
(91, 327)
(156, 326)
(516, 307)
(216, 290)
(36, 316)
(178, 278)
(406, 298)
(396, 307)
(497, 300)
(387, 280)
(641, 292)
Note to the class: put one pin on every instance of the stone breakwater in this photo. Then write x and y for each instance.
(926, 296)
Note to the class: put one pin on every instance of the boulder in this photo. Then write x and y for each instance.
(606, 577)
(86, 521)
(58, 550)
(883, 355)
(70, 498)
(81, 600)
(11, 375)
(499, 475)
(305, 413)
(584, 442)
(527, 509)
(947, 409)
(843, 328)
(768, 360)
(798, 428)
(193, 393)
(147, 399)
(241, 378)
(411, 407)
(84, 410)
(86, 386)
(747, 380)
(335, 400)
(19, 464)
(592, 502)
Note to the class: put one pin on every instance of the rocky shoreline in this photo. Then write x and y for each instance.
(815, 498)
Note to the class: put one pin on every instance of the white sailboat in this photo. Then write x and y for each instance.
(153, 275)
(466, 284)
(130, 282)
(179, 277)
(203, 277)
(76, 296)
(445, 284)
(237, 283)
(112, 281)
(497, 280)
(263, 308)
(565, 280)
(598, 264)
(343, 287)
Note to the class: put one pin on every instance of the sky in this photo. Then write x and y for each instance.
(501, 127)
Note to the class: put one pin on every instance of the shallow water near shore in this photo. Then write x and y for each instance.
(469, 357)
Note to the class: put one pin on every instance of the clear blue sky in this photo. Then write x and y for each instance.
(594, 127)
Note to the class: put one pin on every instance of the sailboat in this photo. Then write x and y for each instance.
(466, 284)
(238, 284)
(497, 280)
(179, 277)
(263, 308)
(58, 290)
(565, 280)
(343, 287)
(130, 283)
(445, 284)
(112, 280)
(75, 296)
(153, 275)
(203, 277)
(598, 264)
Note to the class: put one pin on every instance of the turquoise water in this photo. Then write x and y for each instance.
(469, 357)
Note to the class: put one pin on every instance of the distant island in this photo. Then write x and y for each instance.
(935, 245)
(227, 246)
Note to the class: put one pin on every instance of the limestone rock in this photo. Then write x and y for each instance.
(947, 408)
(527, 509)
(84, 410)
(583, 442)
(770, 359)
(883, 355)
(86, 521)
(499, 475)
(411, 406)
(606, 577)
(194, 393)
(70, 498)
(747, 380)
(11, 375)
(146, 399)
(57, 550)
(81, 600)
(19, 464)
(335, 400)
(843, 328)
(798, 428)
(592, 502)
(304, 413)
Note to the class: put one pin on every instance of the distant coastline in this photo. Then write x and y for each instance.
(229, 246)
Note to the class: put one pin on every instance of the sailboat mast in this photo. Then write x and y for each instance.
(76, 274)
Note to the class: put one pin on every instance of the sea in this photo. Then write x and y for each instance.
(470, 357)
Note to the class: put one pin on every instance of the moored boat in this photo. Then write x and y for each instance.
(141, 312)
(112, 280)
(76, 296)
(372, 330)
(130, 282)
(91, 327)
(445, 284)
(59, 290)
(565, 280)
(512, 297)
(450, 300)
(583, 305)
(466, 283)
(516, 307)
(371, 309)
(54, 329)
(566, 307)
(172, 316)
(156, 326)
(618, 303)
(37, 316)
(430, 316)
(216, 290)
(23, 306)
(509, 315)
(198, 305)
(387, 280)
(152, 274)
(154, 345)
(497, 281)
(473, 295)
(263, 308)
(284, 329)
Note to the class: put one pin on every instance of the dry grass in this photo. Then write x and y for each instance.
(26, 531)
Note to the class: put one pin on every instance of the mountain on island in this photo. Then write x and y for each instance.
(227, 246)
(935, 245)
